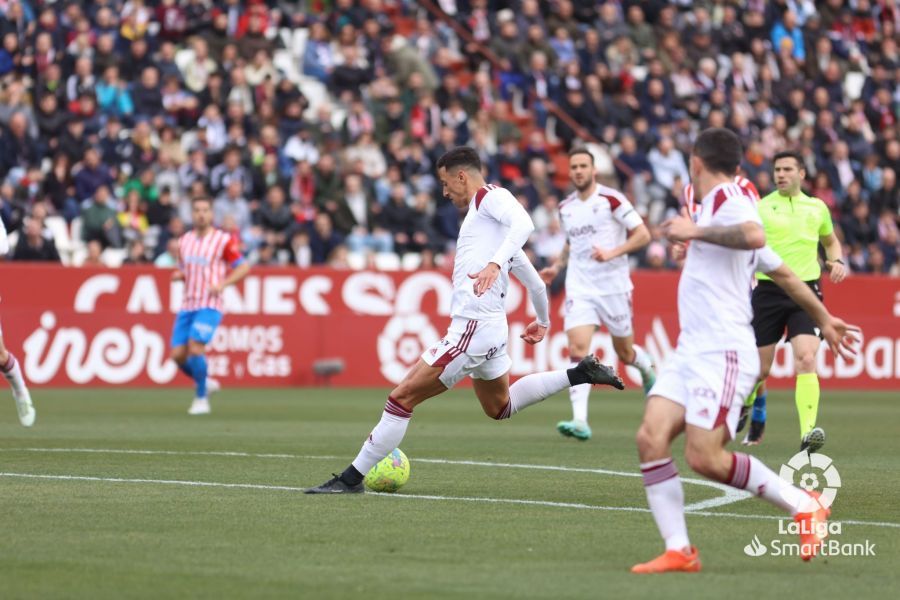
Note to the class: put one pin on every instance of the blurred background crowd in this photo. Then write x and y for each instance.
(315, 125)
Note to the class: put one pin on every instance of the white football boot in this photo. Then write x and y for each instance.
(24, 407)
(200, 406)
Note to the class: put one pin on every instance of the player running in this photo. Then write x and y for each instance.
(795, 224)
(756, 400)
(9, 366)
(205, 254)
(602, 229)
(700, 389)
(489, 247)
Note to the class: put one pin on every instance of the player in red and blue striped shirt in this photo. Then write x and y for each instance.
(205, 255)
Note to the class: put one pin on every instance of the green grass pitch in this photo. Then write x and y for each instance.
(114, 524)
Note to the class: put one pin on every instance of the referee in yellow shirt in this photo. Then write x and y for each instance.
(795, 225)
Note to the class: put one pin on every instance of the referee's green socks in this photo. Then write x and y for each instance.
(806, 395)
(748, 401)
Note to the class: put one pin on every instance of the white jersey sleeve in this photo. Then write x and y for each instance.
(767, 260)
(4, 240)
(735, 212)
(503, 207)
(625, 214)
(525, 272)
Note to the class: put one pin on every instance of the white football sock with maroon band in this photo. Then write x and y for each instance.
(13, 373)
(386, 436)
(749, 473)
(666, 498)
(533, 388)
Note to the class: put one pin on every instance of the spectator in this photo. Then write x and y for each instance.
(169, 258)
(92, 175)
(137, 254)
(322, 239)
(232, 202)
(94, 256)
(368, 232)
(667, 163)
(231, 171)
(33, 246)
(132, 220)
(275, 217)
(113, 96)
(860, 227)
(99, 221)
(786, 34)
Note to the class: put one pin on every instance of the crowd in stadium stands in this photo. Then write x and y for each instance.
(315, 125)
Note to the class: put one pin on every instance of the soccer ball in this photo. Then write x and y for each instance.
(390, 473)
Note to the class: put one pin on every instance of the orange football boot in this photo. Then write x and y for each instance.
(813, 528)
(671, 560)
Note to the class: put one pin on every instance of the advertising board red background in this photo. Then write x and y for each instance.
(100, 327)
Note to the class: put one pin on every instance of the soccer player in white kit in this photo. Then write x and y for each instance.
(602, 229)
(700, 389)
(489, 247)
(9, 366)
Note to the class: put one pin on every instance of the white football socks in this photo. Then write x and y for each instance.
(749, 473)
(13, 374)
(533, 388)
(579, 394)
(386, 436)
(642, 360)
(666, 498)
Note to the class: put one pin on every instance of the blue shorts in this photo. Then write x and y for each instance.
(196, 325)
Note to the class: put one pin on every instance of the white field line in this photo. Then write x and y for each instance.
(254, 486)
(729, 494)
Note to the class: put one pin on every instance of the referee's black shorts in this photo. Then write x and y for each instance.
(774, 311)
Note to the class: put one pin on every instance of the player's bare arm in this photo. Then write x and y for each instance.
(637, 239)
(236, 275)
(834, 263)
(743, 236)
(841, 337)
(548, 274)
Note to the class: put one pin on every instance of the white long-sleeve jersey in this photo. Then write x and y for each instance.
(494, 230)
(526, 273)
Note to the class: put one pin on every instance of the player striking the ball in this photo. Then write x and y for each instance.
(602, 229)
(701, 389)
(489, 247)
(204, 256)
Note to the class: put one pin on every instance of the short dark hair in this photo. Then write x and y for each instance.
(790, 154)
(720, 150)
(461, 157)
(201, 198)
(581, 150)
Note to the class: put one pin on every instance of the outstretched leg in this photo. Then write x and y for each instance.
(501, 401)
(422, 382)
(9, 366)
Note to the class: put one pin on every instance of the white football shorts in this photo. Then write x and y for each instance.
(470, 348)
(613, 310)
(711, 386)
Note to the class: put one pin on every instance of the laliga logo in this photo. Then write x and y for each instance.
(402, 341)
(813, 473)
